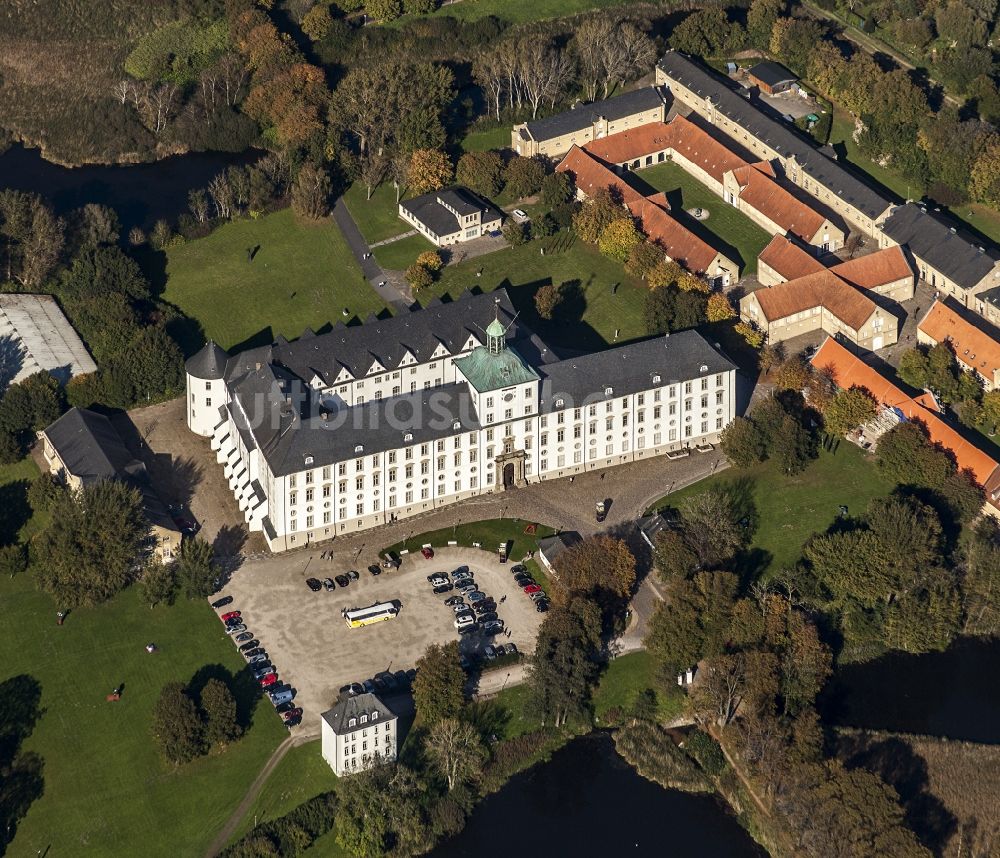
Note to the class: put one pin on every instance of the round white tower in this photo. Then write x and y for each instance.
(206, 389)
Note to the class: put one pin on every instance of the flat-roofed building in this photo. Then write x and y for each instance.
(554, 136)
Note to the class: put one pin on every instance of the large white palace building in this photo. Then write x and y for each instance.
(347, 430)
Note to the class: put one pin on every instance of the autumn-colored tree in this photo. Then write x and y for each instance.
(317, 22)
(481, 171)
(547, 300)
(719, 309)
(431, 260)
(595, 214)
(601, 568)
(753, 336)
(688, 282)
(663, 274)
(291, 104)
(384, 10)
(849, 410)
(429, 170)
(618, 238)
(794, 373)
(760, 21)
(418, 276)
(984, 178)
(642, 258)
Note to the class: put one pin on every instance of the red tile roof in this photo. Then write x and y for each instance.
(760, 191)
(875, 269)
(788, 259)
(590, 175)
(973, 346)
(701, 148)
(634, 143)
(820, 289)
(848, 371)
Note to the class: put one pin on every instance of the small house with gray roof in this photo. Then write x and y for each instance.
(367, 424)
(359, 732)
(451, 216)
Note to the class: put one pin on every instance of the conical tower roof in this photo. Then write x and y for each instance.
(209, 363)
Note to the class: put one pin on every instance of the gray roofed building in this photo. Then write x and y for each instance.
(585, 115)
(774, 133)
(345, 716)
(943, 248)
(451, 215)
(771, 75)
(650, 526)
(550, 547)
(358, 732)
(208, 363)
(88, 445)
(628, 369)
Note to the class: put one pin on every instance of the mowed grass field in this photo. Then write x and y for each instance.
(303, 275)
(106, 790)
(602, 298)
(377, 218)
(623, 680)
(791, 509)
(725, 228)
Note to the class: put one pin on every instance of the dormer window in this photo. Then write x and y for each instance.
(408, 436)
(360, 448)
(656, 379)
(703, 368)
(456, 425)
(375, 715)
(559, 403)
(352, 722)
(309, 460)
(608, 391)
(364, 719)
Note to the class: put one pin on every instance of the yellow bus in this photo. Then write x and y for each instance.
(372, 614)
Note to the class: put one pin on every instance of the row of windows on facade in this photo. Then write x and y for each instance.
(352, 750)
(609, 450)
(359, 482)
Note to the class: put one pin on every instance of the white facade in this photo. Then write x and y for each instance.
(357, 734)
(553, 420)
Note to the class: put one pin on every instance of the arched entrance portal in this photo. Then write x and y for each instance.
(508, 476)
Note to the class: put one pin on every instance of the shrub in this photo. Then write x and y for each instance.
(515, 233)
(431, 260)
(418, 276)
(706, 752)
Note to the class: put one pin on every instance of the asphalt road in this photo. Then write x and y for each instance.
(374, 273)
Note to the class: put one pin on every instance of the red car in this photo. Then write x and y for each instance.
(232, 615)
(270, 679)
(532, 588)
(292, 713)
(427, 552)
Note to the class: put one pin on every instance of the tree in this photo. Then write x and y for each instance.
(740, 683)
(642, 258)
(481, 171)
(980, 581)
(849, 410)
(34, 238)
(177, 726)
(158, 584)
(596, 213)
(88, 551)
(705, 33)
(556, 190)
(619, 237)
(672, 556)
(317, 22)
(713, 524)
(381, 812)
(793, 40)
(600, 568)
(456, 751)
(760, 21)
(429, 170)
(904, 455)
(792, 446)
(13, 559)
(196, 570)
(372, 166)
(719, 308)
(794, 373)
(27, 407)
(97, 225)
(957, 23)
(523, 177)
(311, 192)
(743, 443)
(44, 491)
(384, 10)
(547, 300)
(418, 276)
(984, 177)
(431, 260)
(514, 233)
(219, 709)
(438, 690)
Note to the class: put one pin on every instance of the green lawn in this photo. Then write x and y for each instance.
(589, 317)
(400, 254)
(625, 677)
(378, 217)
(791, 509)
(16, 522)
(106, 790)
(301, 775)
(481, 141)
(302, 276)
(726, 229)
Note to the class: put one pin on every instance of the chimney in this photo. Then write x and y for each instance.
(258, 366)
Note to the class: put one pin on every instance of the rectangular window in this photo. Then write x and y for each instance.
(360, 508)
(560, 435)
(718, 397)
(359, 483)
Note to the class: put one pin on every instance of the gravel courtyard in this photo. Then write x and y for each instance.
(317, 653)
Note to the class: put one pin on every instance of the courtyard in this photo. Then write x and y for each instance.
(317, 653)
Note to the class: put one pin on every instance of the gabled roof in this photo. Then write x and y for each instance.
(771, 73)
(428, 209)
(875, 269)
(701, 148)
(973, 345)
(88, 445)
(354, 706)
(764, 194)
(821, 289)
(585, 115)
(590, 174)
(940, 246)
(788, 259)
(848, 371)
(553, 546)
(634, 143)
(773, 133)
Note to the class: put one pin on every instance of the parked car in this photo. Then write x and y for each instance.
(600, 511)
(353, 574)
(289, 714)
(476, 596)
(249, 644)
(510, 649)
(375, 569)
(402, 680)
(436, 578)
(443, 588)
(486, 616)
(465, 589)
(460, 608)
(263, 671)
(232, 630)
(493, 627)
(490, 652)
(243, 636)
(281, 708)
(260, 658)
(472, 627)
(535, 597)
(519, 215)
(368, 686)
(230, 616)
(283, 696)
(379, 683)
(484, 606)
(314, 584)
(235, 621)
(293, 722)
(542, 606)
(464, 620)
(461, 576)
(342, 580)
(269, 680)
(454, 600)
(329, 585)
(388, 679)
(524, 580)
(427, 552)
(532, 588)
(254, 650)
(517, 569)
(221, 603)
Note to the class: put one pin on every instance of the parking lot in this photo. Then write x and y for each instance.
(317, 653)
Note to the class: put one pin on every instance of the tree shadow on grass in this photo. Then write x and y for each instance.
(244, 688)
(489, 717)
(14, 510)
(22, 782)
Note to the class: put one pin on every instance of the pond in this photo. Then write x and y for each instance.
(140, 193)
(953, 694)
(587, 801)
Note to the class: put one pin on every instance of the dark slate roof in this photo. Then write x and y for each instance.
(941, 246)
(774, 133)
(357, 347)
(438, 219)
(629, 369)
(650, 526)
(354, 706)
(209, 363)
(289, 426)
(553, 546)
(88, 444)
(585, 115)
(771, 73)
